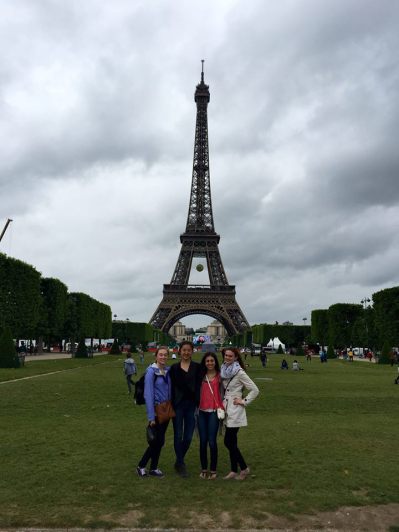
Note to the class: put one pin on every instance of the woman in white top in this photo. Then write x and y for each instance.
(235, 381)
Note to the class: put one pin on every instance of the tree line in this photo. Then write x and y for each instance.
(344, 325)
(42, 309)
(39, 308)
(341, 325)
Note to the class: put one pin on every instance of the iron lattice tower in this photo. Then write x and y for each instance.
(216, 299)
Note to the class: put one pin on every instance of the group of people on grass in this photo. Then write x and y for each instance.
(205, 392)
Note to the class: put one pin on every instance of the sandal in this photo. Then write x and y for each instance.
(230, 476)
(243, 475)
(204, 475)
(212, 475)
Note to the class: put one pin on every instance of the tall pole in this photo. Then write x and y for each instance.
(5, 228)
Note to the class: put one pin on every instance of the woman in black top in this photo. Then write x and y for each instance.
(186, 380)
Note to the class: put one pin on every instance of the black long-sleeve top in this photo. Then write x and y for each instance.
(185, 384)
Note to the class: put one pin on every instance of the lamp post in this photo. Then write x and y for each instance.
(126, 329)
(366, 306)
(304, 320)
(114, 327)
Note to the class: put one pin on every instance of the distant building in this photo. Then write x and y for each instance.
(215, 331)
(288, 323)
(180, 332)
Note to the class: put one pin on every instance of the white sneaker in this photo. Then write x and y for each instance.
(141, 472)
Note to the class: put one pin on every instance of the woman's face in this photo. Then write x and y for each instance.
(162, 357)
(186, 352)
(229, 357)
(210, 363)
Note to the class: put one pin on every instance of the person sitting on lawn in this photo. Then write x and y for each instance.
(295, 366)
(284, 364)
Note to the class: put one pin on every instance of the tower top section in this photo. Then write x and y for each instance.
(202, 90)
(200, 217)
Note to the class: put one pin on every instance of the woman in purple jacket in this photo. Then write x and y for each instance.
(157, 389)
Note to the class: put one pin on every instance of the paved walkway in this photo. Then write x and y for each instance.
(54, 356)
(51, 356)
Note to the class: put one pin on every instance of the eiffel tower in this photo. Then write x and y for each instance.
(217, 299)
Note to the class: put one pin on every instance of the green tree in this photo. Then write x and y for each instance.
(19, 297)
(331, 352)
(341, 319)
(385, 357)
(54, 301)
(8, 354)
(386, 312)
(319, 326)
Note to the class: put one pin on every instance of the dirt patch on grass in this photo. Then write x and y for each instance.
(346, 519)
(380, 518)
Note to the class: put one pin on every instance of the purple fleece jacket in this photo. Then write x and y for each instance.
(156, 389)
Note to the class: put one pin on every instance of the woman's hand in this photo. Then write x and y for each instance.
(238, 401)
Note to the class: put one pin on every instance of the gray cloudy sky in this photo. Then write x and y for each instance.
(97, 129)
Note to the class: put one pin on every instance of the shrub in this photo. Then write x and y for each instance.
(8, 355)
(280, 350)
(385, 357)
(115, 348)
(330, 352)
(81, 351)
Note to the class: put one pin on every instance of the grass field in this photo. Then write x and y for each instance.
(317, 440)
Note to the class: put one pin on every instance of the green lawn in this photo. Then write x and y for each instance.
(317, 440)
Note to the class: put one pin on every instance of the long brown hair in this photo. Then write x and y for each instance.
(237, 354)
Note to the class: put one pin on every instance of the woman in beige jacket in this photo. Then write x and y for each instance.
(235, 381)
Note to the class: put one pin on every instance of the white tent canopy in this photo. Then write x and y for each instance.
(275, 342)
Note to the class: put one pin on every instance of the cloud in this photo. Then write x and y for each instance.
(97, 128)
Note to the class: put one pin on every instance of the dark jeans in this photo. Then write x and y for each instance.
(183, 426)
(153, 451)
(208, 425)
(230, 441)
(130, 383)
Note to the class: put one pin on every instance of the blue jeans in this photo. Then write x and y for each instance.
(208, 425)
(183, 426)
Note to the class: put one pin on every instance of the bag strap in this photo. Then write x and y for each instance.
(210, 387)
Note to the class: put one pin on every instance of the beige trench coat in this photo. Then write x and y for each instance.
(235, 414)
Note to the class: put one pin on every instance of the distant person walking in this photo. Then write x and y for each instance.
(235, 380)
(129, 369)
(263, 358)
